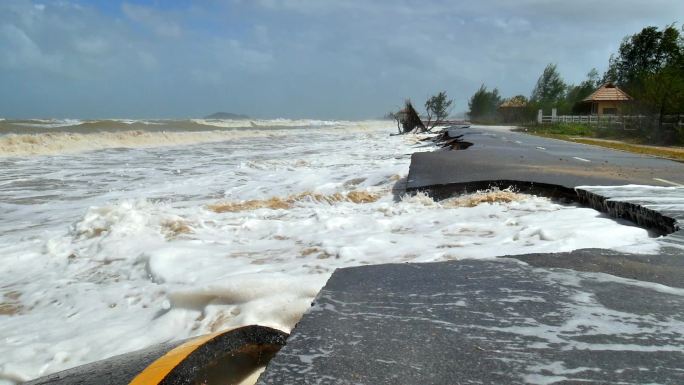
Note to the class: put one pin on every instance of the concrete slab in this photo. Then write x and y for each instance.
(666, 268)
(484, 322)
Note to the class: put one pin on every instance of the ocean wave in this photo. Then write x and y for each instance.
(67, 143)
(77, 125)
(88, 126)
(98, 135)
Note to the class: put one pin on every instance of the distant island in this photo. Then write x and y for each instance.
(226, 115)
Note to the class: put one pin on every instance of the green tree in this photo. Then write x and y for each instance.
(483, 104)
(575, 94)
(661, 95)
(593, 79)
(644, 54)
(663, 92)
(437, 107)
(649, 65)
(550, 88)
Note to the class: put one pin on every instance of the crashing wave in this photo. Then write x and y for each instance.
(52, 137)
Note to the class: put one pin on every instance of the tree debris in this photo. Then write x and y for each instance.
(445, 139)
(410, 121)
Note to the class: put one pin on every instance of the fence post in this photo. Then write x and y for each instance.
(554, 118)
(539, 116)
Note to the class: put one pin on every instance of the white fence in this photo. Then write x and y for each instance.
(615, 120)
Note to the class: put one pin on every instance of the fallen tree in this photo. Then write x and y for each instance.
(409, 119)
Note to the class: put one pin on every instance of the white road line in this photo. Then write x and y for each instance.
(540, 148)
(582, 159)
(669, 182)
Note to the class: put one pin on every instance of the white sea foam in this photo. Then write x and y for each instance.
(49, 123)
(115, 250)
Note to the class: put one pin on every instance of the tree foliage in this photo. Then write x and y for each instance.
(649, 65)
(483, 104)
(661, 93)
(550, 87)
(645, 54)
(438, 108)
(552, 92)
(575, 94)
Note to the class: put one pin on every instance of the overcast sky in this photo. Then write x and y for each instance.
(295, 58)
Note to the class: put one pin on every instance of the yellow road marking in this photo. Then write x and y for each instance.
(162, 366)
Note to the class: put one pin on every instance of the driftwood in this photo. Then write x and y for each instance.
(456, 144)
(444, 140)
(442, 136)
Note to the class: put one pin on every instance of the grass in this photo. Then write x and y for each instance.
(566, 129)
(609, 138)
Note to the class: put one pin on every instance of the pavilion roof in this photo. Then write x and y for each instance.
(513, 103)
(608, 92)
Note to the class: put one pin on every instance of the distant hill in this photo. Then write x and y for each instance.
(226, 115)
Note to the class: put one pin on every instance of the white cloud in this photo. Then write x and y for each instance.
(20, 51)
(63, 40)
(206, 77)
(262, 34)
(227, 57)
(148, 60)
(158, 22)
(92, 45)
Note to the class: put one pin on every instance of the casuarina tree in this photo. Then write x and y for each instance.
(437, 107)
(644, 54)
(550, 88)
(650, 67)
(483, 104)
